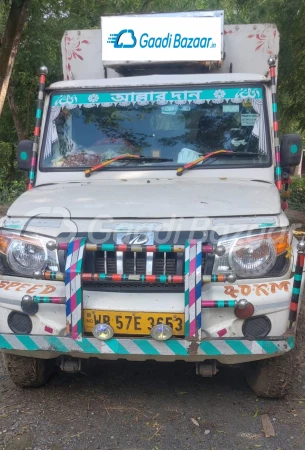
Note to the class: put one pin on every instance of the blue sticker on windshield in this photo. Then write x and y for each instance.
(185, 108)
(179, 97)
(170, 109)
(230, 108)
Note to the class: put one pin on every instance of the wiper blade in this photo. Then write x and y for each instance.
(199, 160)
(154, 159)
(127, 157)
(245, 154)
(98, 167)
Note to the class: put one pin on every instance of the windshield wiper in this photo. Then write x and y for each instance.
(137, 158)
(232, 153)
(216, 153)
(106, 163)
(199, 160)
(154, 159)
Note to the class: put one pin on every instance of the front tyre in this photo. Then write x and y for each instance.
(27, 371)
(271, 378)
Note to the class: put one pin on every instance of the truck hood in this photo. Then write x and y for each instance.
(146, 199)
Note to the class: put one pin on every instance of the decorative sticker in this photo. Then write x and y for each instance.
(27, 288)
(230, 108)
(13, 225)
(18, 224)
(248, 120)
(185, 108)
(264, 289)
(247, 104)
(266, 225)
(107, 99)
(170, 109)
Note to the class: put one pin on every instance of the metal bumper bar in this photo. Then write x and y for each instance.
(74, 278)
(211, 348)
(192, 279)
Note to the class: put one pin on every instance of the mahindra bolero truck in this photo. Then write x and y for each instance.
(153, 226)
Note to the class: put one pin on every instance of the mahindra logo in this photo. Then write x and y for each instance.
(135, 239)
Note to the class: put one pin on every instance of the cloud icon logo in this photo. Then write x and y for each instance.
(123, 39)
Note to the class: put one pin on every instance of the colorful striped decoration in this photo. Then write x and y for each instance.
(199, 160)
(54, 276)
(103, 277)
(186, 288)
(74, 291)
(296, 290)
(101, 166)
(42, 84)
(206, 248)
(198, 286)
(138, 346)
(100, 277)
(218, 303)
(52, 300)
(278, 169)
(203, 303)
(215, 278)
(192, 288)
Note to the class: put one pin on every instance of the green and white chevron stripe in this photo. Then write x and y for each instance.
(172, 347)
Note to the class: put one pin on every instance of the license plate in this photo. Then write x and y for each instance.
(136, 323)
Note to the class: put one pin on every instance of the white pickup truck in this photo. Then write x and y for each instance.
(153, 225)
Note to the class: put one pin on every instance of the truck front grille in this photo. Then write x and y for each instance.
(163, 263)
(133, 263)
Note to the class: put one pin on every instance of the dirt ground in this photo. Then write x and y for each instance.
(150, 406)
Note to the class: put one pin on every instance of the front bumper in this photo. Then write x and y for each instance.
(227, 351)
(69, 339)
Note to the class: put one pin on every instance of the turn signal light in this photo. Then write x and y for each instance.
(243, 309)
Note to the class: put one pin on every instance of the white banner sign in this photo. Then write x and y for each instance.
(161, 39)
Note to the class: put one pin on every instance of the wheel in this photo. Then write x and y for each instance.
(27, 371)
(271, 378)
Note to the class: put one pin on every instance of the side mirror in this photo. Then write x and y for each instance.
(24, 155)
(291, 150)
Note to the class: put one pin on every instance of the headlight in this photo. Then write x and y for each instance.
(24, 254)
(255, 256)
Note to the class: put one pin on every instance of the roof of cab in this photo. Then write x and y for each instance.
(160, 80)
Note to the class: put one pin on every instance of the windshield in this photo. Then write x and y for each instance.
(87, 128)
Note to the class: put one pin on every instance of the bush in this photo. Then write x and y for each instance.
(297, 199)
(9, 193)
(12, 180)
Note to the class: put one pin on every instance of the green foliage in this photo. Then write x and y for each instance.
(9, 193)
(297, 199)
(289, 16)
(4, 9)
(48, 19)
(12, 181)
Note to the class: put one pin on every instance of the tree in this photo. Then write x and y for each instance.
(10, 42)
(47, 21)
